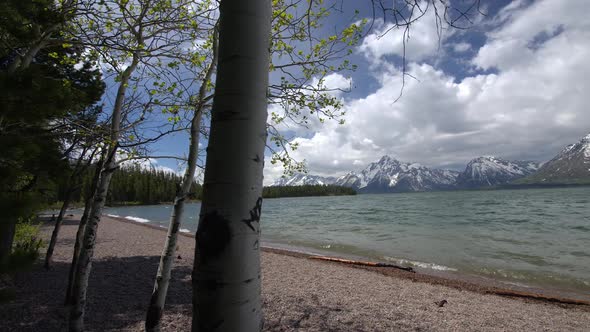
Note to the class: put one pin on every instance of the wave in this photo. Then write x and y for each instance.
(184, 230)
(114, 215)
(137, 219)
(423, 265)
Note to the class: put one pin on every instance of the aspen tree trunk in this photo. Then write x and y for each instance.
(81, 229)
(54, 234)
(77, 246)
(226, 276)
(80, 285)
(158, 299)
(72, 184)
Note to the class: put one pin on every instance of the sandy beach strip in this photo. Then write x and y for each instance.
(299, 294)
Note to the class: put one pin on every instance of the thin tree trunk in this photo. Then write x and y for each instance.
(28, 58)
(72, 185)
(158, 299)
(77, 246)
(7, 229)
(81, 229)
(80, 285)
(23, 62)
(226, 276)
(87, 250)
(56, 228)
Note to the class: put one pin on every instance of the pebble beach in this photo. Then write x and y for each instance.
(299, 293)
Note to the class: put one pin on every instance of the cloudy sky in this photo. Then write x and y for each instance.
(515, 85)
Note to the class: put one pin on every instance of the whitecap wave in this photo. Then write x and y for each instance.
(423, 265)
(114, 215)
(184, 230)
(137, 219)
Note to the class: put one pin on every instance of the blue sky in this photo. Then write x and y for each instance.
(513, 85)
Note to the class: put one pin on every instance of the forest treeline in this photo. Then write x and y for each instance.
(134, 185)
(307, 190)
(148, 185)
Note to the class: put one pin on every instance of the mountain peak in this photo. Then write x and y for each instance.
(491, 171)
(301, 179)
(390, 175)
(571, 165)
(386, 159)
(485, 158)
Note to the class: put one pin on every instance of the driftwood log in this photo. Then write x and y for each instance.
(364, 263)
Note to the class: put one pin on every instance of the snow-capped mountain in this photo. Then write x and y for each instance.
(570, 166)
(492, 171)
(302, 179)
(391, 175)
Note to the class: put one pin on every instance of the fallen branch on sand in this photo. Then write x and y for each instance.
(374, 264)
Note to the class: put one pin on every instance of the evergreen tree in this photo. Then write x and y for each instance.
(40, 82)
(133, 184)
(306, 190)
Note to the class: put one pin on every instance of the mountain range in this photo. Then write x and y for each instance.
(570, 166)
(388, 175)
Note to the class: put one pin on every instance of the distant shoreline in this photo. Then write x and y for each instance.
(501, 187)
(79, 205)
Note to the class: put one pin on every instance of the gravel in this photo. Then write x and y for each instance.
(299, 294)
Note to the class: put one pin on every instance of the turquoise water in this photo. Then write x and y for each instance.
(531, 238)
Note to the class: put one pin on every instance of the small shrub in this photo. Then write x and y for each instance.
(27, 242)
(26, 246)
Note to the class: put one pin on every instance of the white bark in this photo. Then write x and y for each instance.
(226, 279)
(55, 233)
(76, 319)
(87, 249)
(158, 299)
(24, 61)
(77, 248)
(81, 230)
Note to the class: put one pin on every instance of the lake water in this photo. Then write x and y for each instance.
(531, 238)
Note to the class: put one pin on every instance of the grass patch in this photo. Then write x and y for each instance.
(25, 248)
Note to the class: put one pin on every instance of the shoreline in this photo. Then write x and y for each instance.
(454, 280)
(298, 293)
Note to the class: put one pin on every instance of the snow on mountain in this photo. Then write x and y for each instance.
(491, 171)
(571, 165)
(391, 175)
(586, 147)
(302, 179)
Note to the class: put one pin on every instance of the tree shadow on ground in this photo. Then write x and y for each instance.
(118, 295)
(48, 222)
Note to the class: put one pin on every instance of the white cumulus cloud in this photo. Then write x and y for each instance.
(533, 104)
